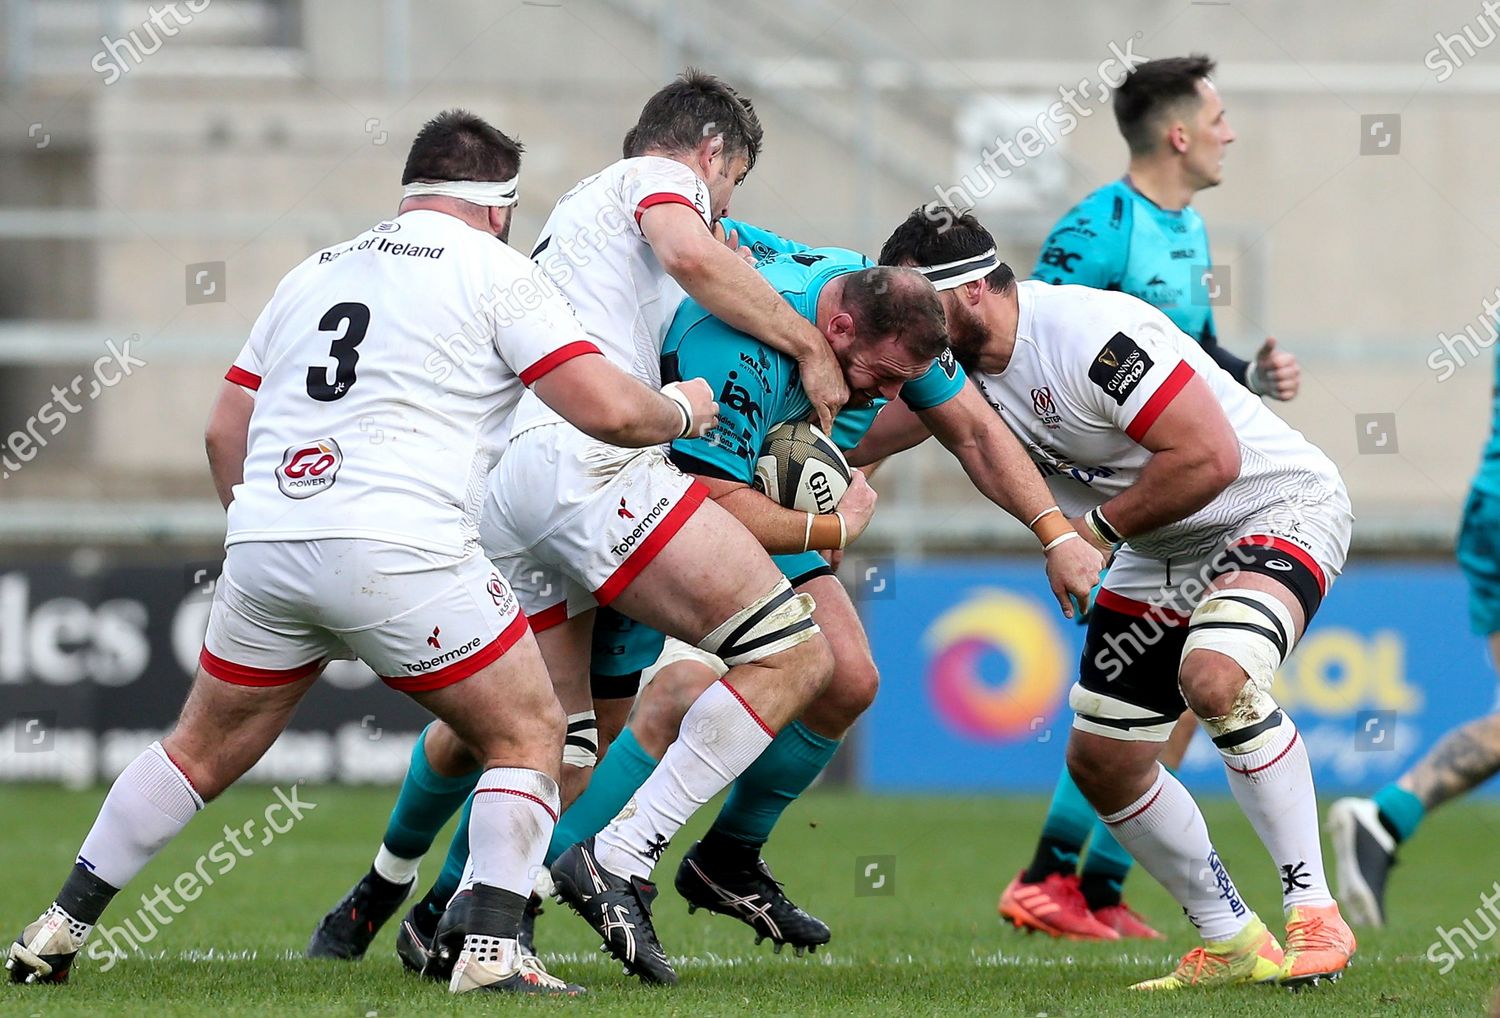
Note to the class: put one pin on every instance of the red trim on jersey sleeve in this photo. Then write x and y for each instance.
(653, 544)
(1164, 394)
(663, 198)
(245, 675)
(461, 669)
(1295, 551)
(239, 376)
(1139, 609)
(557, 357)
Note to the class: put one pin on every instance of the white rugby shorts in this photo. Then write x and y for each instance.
(570, 521)
(421, 620)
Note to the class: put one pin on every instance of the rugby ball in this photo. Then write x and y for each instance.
(801, 468)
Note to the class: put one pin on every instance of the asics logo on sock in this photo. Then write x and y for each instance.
(657, 848)
(1294, 877)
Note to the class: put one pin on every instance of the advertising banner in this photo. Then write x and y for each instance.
(976, 662)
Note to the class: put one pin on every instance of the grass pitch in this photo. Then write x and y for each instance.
(925, 941)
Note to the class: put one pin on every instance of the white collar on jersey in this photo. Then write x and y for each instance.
(950, 275)
(492, 193)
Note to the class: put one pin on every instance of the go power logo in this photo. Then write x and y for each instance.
(309, 469)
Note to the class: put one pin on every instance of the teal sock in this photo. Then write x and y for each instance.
(625, 768)
(1104, 868)
(773, 782)
(452, 873)
(1400, 810)
(427, 801)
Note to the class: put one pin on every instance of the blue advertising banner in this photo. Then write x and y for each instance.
(976, 662)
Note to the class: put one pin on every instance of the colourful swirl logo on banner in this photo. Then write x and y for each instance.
(1010, 640)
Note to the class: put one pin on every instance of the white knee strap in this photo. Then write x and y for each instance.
(1255, 630)
(775, 622)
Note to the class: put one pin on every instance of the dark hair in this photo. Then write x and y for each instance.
(696, 106)
(1152, 90)
(891, 302)
(935, 235)
(458, 145)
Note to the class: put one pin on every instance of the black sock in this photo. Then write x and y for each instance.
(495, 912)
(1100, 891)
(84, 896)
(386, 889)
(428, 912)
(1052, 856)
(727, 851)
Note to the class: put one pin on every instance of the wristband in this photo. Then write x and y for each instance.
(674, 393)
(807, 537)
(843, 531)
(1037, 518)
(1047, 529)
(1101, 527)
(1255, 381)
(1060, 539)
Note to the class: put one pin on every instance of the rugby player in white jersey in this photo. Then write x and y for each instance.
(1228, 528)
(350, 444)
(575, 523)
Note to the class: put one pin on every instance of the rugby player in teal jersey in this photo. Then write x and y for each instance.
(759, 390)
(1139, 235)
(1367, 832)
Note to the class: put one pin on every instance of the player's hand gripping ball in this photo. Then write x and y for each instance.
(801, 468)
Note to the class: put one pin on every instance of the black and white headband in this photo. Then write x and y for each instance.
(951, 275)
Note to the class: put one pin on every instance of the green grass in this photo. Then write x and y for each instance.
(933, 947)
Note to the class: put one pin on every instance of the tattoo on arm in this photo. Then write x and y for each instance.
(1464, 758)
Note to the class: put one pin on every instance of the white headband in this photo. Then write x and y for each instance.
(493, 193)
(966, 270)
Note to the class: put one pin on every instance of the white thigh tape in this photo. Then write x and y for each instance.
(778, 621)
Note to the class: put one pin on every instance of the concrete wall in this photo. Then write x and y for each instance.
(1355, 262)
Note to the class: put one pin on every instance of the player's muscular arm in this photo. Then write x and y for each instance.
(999, 467)
(990, 454)
(1195, 454)
(227, 438)
(735, 293)
(783, 531)
(605, 403)
(896, 429)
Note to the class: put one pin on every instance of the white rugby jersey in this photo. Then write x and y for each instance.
(592, 247)
(386, 371)
(1092, 370)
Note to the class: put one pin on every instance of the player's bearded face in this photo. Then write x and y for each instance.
(504, 232)
(966, 332)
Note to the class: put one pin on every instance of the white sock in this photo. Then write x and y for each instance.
(466, 881)
(1273, 785)
(147, 805)
(720, 737)
(510, 825)
(1165, 831)
(390, 866)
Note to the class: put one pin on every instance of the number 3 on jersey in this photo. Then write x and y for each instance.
(344, 351)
